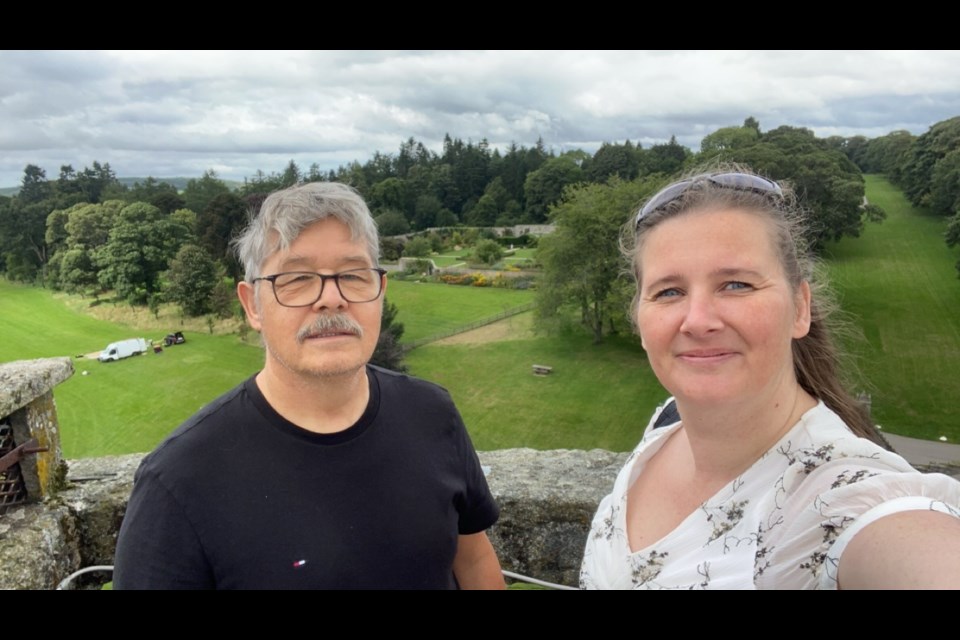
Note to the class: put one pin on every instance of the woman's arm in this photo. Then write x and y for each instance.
(906, 550)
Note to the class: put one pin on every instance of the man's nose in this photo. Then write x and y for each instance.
(330, 297)
(702, 314)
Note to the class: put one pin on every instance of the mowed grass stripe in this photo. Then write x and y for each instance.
(428, 309)
(899, 284)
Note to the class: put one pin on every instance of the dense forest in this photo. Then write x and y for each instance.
(84, 231)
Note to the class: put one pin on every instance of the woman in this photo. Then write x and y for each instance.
(773, 477)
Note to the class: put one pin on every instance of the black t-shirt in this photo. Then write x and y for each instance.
(238, 497)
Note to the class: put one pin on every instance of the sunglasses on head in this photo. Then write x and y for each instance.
(738, 181)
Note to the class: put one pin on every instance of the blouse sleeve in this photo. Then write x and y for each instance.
(815, 513)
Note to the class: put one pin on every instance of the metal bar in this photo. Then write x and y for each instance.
(15, 456)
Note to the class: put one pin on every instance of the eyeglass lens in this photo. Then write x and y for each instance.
(302, 289)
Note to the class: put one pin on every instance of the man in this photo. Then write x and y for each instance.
(321, 471)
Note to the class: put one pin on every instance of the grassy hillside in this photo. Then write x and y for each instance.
(900, 286)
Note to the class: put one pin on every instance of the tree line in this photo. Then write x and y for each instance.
(84, 231)
(925, 167)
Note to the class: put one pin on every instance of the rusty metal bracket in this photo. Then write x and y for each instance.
(29, 447)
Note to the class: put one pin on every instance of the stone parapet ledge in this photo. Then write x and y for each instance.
(547, 500)
(23, 381)
(26, 403)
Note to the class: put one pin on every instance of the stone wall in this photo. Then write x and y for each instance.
(29, 414)
(547, 499)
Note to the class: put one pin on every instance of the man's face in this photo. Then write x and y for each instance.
(297, 340)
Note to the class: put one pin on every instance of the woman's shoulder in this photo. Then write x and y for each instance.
(835, 483)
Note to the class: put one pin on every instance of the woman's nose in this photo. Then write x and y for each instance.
(702, 314)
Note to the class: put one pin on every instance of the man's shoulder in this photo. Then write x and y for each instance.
(208, 426)
(395, 381)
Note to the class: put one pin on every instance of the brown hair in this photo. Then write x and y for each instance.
(816, 356)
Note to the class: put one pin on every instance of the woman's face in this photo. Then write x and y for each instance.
(716, 312)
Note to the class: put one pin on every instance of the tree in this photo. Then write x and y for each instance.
(389, 354)
(620, 160)
(191, 280)
(139, 248)
(34, 186)
(582, 265)
(666, 158)
(418, 247)
(199, 193)
(829, 185)
(919, 171)
(544, 186)
(729, 138)
(488, 251)
(217, 224)
(392, 223)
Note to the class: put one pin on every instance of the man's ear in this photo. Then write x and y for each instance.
(248, 298)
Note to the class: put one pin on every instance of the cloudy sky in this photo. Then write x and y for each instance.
(179, 113)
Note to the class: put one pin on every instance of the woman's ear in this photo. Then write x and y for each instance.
(802, 303)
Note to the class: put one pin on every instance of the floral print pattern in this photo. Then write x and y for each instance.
(775, 526)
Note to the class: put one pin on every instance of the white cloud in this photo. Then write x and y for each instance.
(177, 113)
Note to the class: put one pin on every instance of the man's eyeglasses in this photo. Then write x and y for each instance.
(738, 181)
(304, 288)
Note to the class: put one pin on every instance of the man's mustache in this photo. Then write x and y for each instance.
(339, 323)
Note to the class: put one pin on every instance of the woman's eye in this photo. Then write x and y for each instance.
(736, 286)
(666, 293)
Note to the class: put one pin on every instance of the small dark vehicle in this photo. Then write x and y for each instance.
(174, 338)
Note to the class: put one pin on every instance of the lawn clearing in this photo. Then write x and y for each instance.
(597, 396)
(125, 406)
(428, 309)
(899, 284)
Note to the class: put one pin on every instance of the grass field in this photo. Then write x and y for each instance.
(899, 284)
(597, 396)
(124, 406)
(130, 405)
(427, 309)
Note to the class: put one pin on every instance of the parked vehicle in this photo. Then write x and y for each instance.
(174, 338)
(123, 349)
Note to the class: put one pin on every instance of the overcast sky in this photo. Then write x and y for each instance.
(179, 113)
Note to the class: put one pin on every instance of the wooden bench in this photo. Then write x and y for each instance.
(541, 370)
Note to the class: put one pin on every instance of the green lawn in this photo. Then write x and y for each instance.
(597, 396)
(130, 405)
(124, 406)
(450, 258)
(428, 309)
(899, 284)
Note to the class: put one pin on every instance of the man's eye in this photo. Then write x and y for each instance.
(295, 279)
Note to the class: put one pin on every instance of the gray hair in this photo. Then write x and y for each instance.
(286, 213)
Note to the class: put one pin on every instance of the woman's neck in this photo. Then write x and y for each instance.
(725, 441)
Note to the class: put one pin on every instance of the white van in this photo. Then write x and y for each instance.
(123, 349)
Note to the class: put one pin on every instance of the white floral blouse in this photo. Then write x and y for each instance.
(783, 524)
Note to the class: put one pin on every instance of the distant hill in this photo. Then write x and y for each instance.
(179, 182)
